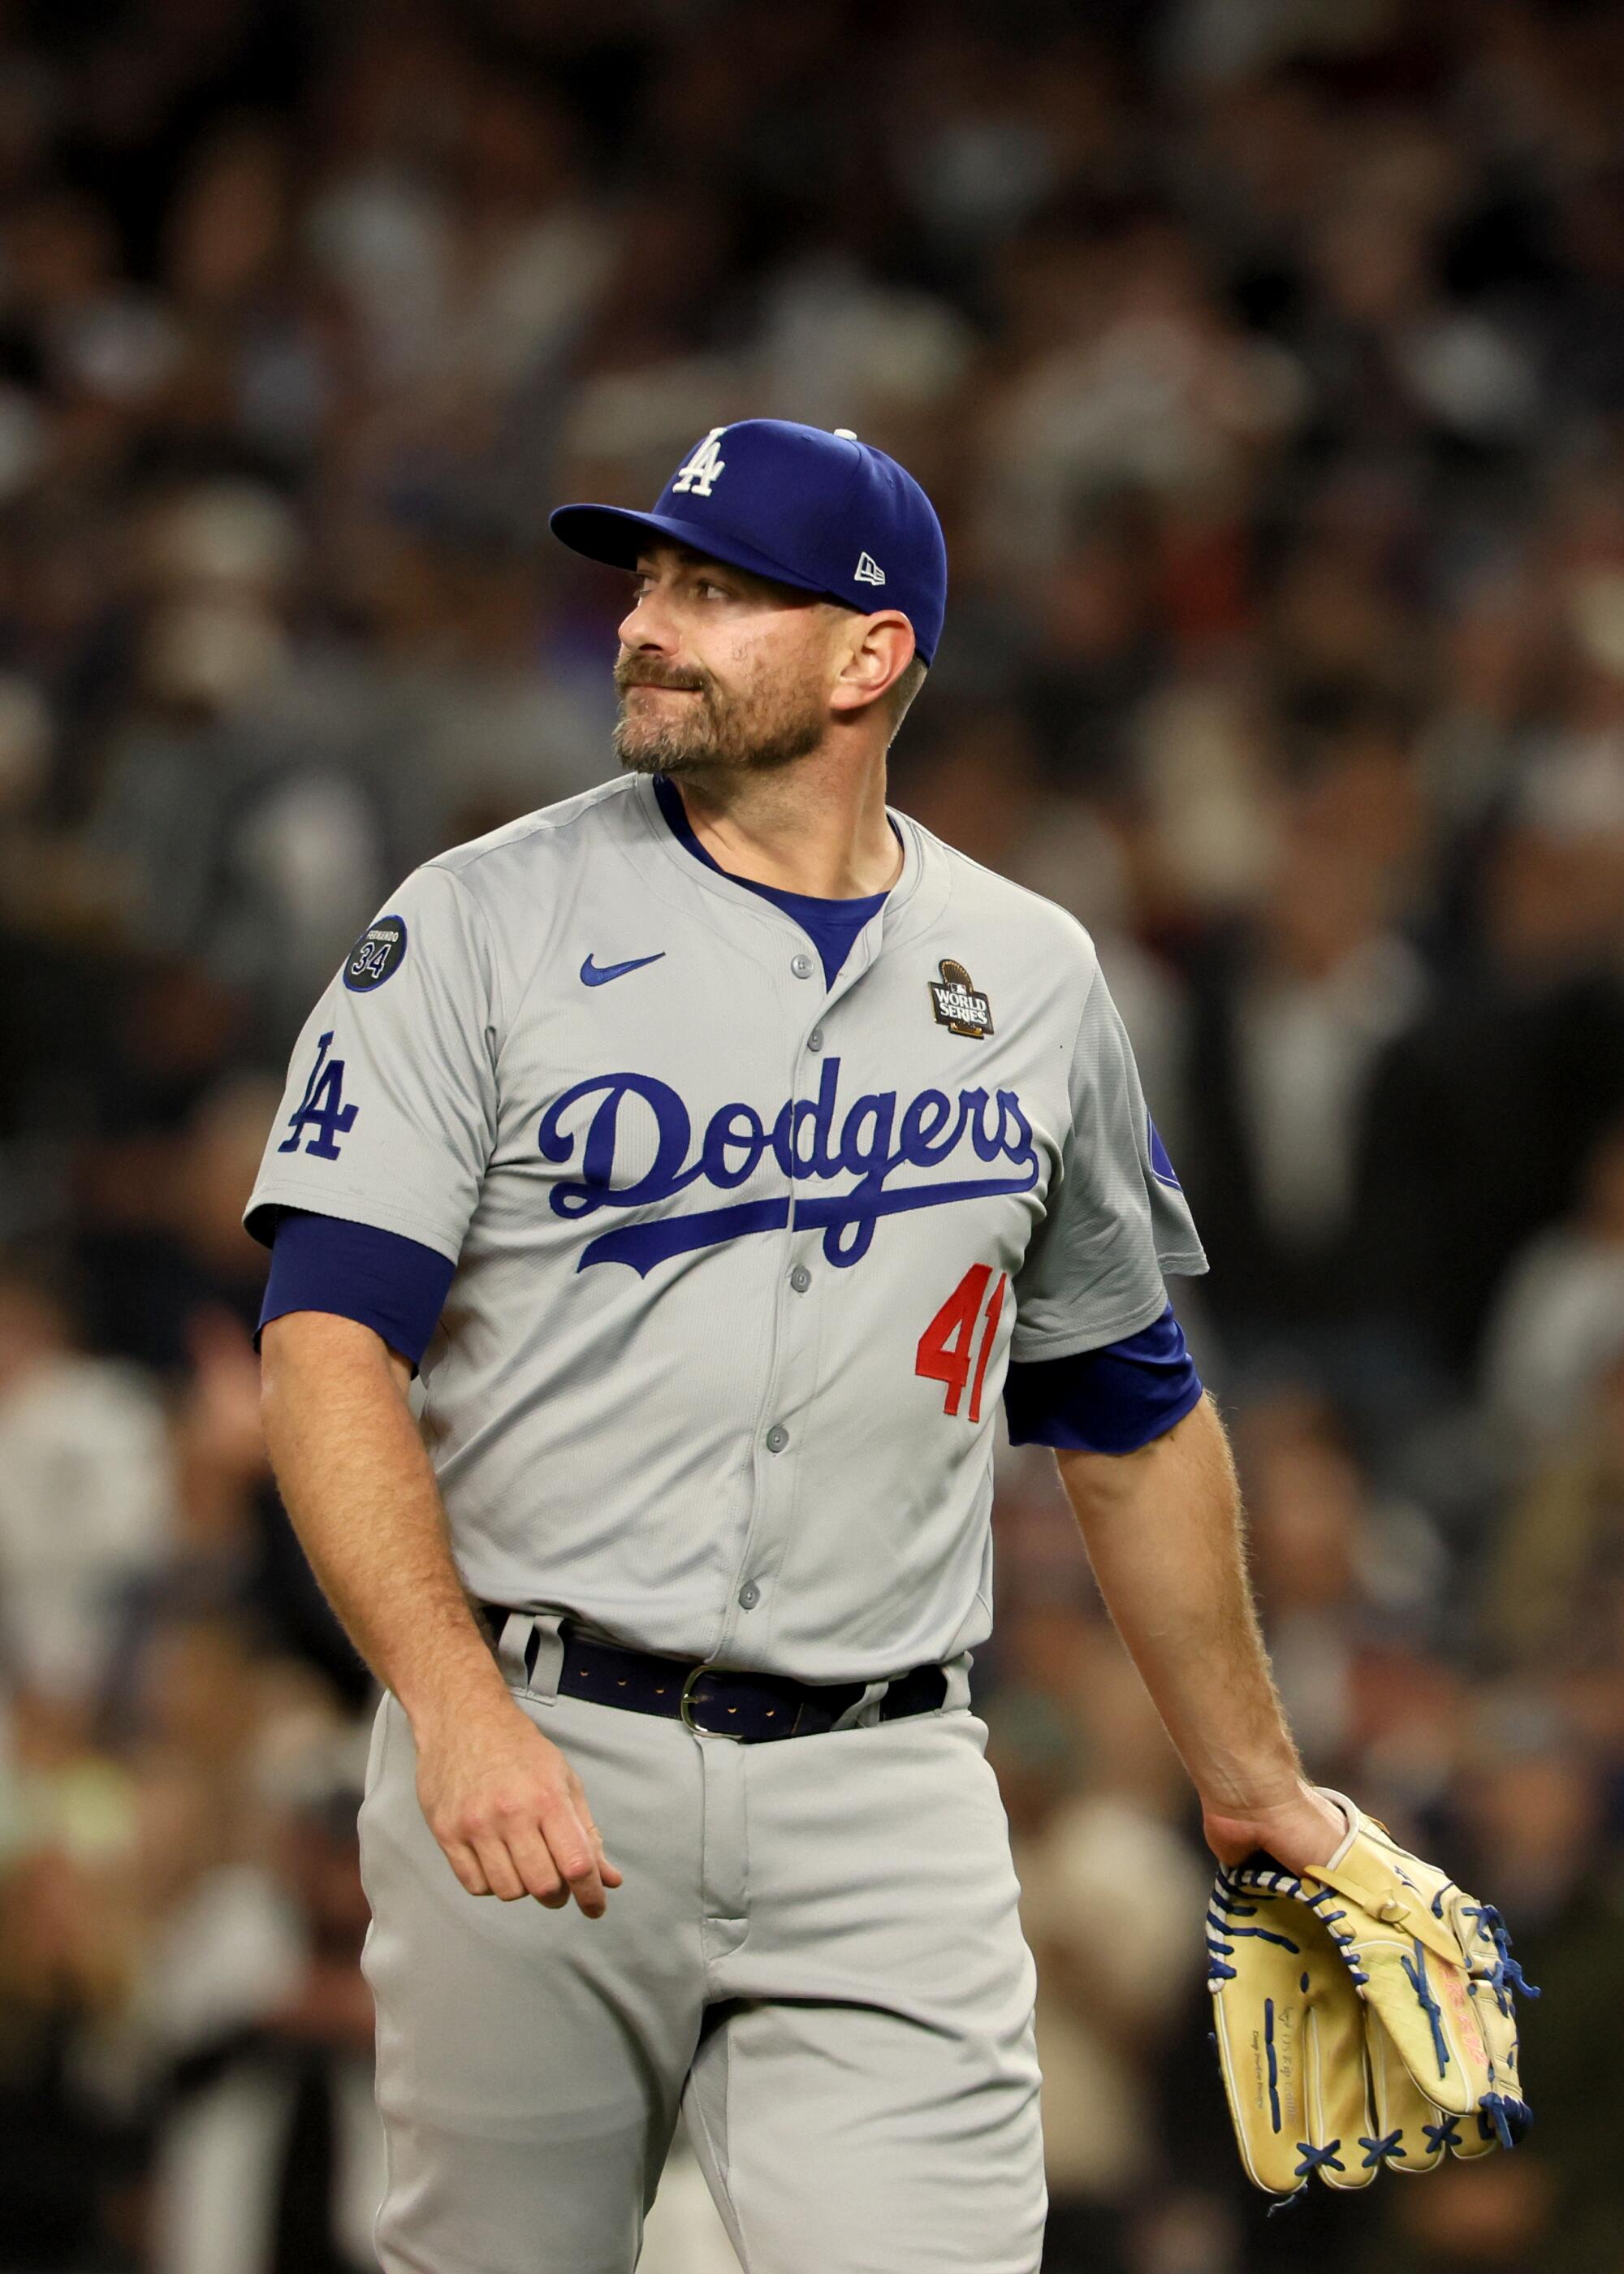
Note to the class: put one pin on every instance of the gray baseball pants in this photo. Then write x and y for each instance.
(815, 1959)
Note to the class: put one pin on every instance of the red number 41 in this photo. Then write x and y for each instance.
(946, 1347)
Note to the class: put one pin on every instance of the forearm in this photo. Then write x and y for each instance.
(361, 1497)
(504, 1803)
(1164, 1535)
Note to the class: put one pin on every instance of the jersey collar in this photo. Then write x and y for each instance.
(917, 892)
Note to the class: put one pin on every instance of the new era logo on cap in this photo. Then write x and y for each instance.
(798, 505)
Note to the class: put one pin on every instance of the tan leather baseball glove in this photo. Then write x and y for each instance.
(1363, 2013)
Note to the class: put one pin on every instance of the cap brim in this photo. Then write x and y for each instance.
(614, 534)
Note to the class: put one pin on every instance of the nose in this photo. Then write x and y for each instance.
(646, 626)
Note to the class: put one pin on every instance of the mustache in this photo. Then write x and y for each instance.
(645, 674)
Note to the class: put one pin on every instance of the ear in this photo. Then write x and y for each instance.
(873, 654)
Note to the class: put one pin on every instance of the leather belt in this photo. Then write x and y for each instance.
(719, 1701)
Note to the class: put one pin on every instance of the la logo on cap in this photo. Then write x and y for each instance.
(698, 476)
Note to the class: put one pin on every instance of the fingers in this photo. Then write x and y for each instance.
(502, 1876)
(467, 1866)
(549, 1848)
(575, 1853)
(533, 1861)
(606, 1872)
(512, 1816)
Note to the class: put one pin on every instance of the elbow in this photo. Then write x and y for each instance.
(272, 1354)
(301, 1351)
(1106, 1480)
(285, 1355)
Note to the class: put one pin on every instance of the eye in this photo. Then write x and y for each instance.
(708, 586)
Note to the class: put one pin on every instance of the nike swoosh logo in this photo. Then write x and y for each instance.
(594, 974)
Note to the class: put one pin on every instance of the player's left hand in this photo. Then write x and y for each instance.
(1363, 2010)
(1297, 1828)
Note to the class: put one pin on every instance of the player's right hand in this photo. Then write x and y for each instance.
(510, 1812)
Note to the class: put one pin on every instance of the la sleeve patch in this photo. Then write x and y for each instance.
(322, 1108)
(378, 953)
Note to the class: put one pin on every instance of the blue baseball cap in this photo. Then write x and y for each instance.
(822, 512)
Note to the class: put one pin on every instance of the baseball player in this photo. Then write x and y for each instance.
(719, 1147)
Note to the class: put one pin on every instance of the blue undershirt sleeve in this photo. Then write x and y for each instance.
(1110, 1400)
(394, 1285)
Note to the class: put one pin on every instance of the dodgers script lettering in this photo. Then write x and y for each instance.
(809, 1141)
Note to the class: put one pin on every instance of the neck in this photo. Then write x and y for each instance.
(818, 827)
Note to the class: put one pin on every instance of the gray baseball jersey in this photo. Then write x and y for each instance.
(741, 1259)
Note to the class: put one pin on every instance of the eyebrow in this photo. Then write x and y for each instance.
(688, 558)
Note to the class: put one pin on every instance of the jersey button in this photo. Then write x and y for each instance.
(777, 1437)
(815, 1040)
(802, 966)
(749, 1595)
(800, 1278)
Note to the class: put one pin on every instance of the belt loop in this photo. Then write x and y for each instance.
(511, 1647)
(865, 1713)
(530, 1653)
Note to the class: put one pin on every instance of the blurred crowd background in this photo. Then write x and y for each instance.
(1265, 361)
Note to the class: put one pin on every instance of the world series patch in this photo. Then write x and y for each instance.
(959, 1006)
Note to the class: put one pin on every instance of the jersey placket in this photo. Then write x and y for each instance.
(801, 1276)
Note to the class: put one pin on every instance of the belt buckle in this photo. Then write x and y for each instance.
(687, 1699)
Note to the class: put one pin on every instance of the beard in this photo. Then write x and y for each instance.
(757, 728)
